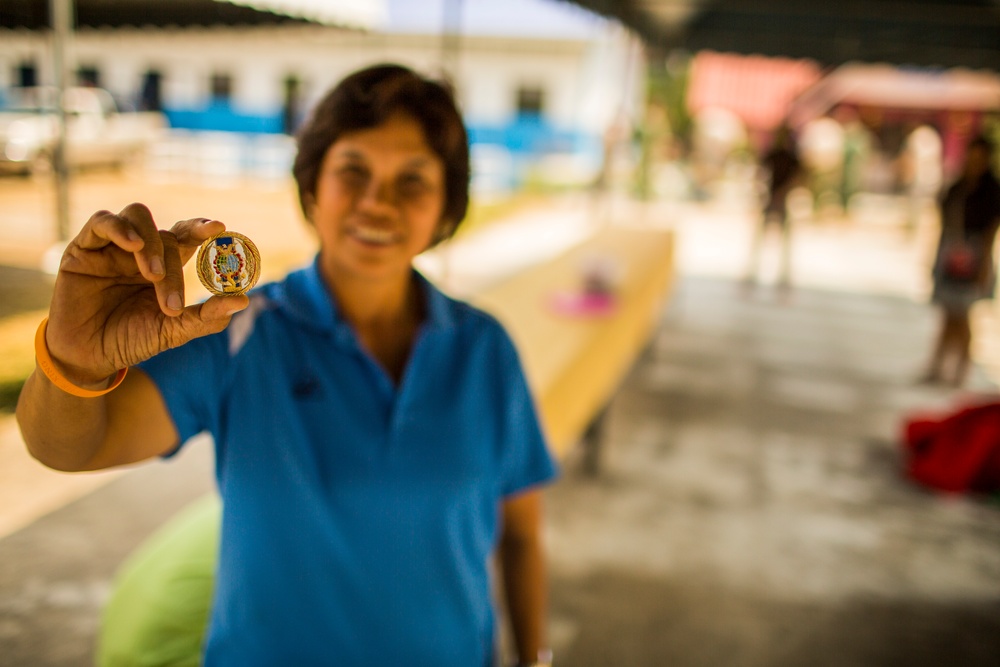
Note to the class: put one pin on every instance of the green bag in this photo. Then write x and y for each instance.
(162, 595)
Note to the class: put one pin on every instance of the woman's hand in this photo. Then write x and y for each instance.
(119, 294)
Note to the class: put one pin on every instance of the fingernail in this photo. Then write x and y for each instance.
(132, 236)
(156, 266)
(174, 301)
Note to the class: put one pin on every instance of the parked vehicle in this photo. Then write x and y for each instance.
(97, 133)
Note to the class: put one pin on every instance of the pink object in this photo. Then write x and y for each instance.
(583, 304)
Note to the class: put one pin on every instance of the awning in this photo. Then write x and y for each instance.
(34, 14)
(759, 90)
(893, 88)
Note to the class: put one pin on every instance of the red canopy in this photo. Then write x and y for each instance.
(757, 89)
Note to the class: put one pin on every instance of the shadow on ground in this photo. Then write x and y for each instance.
(629, 620)
(752, 509)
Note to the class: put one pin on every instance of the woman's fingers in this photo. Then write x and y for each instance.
(150, 257)
(134, 230)
(105, 227)
(170, 288)
(131, 230)
(159, 255)
(192, 233)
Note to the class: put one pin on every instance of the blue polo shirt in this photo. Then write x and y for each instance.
(359, 515)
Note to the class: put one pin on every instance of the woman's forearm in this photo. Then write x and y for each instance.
(63, 432)
(72, 434)
(525, 588)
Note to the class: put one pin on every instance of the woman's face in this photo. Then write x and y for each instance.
(379, 198)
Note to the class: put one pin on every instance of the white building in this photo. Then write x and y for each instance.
(534, 77)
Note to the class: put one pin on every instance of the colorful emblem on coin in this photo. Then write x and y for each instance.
(228, 264)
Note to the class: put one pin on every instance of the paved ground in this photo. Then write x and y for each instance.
(750, 510)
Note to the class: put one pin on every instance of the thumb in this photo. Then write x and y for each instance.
(221, 308)
(206, 318)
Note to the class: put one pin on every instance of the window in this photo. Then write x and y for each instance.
(89, 76)
(150, 98)
(530, 101)
(293, 102)
(27, 75)
(221, 87)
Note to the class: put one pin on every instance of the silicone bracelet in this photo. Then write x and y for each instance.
(45, 363)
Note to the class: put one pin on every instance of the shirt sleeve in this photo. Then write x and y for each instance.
(526, 459)
(191, 379)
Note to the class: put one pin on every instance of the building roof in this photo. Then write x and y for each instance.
(552, 19)
(34, 14)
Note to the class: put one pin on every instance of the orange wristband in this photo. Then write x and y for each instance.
(52, 373)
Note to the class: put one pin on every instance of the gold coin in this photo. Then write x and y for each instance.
(228, 264)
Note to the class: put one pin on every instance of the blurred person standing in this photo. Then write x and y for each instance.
(782, 170)
(376, 442)
(963, 270)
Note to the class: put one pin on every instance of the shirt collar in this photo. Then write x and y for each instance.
(305, 296)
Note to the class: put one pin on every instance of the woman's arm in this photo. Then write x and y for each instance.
(522, 560)
(73, 434)
(989, 239)
(117, 300)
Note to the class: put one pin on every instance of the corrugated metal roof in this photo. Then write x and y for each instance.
(942, 33)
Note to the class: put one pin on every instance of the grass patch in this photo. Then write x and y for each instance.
(17, 355)
(9, 391)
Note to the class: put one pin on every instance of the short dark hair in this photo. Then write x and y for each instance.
(984, 142)
(366, 99)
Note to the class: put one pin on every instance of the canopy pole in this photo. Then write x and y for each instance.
(451, 47)
(451, 39)
(61, 12)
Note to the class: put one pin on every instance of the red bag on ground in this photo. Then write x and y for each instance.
(959, 452)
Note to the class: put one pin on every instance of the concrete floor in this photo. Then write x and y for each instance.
(750, 510)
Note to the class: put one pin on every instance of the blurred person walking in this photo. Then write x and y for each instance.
(376, 442)
(782, 170)
(963, 270)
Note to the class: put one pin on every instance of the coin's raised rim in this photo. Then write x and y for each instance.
(253, 264)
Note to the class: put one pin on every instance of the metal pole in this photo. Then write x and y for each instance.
(61, 15)
(451, 46)
(451, 39)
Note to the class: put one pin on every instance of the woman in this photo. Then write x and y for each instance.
(784, 172)
(375, 440)
(963, 268)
